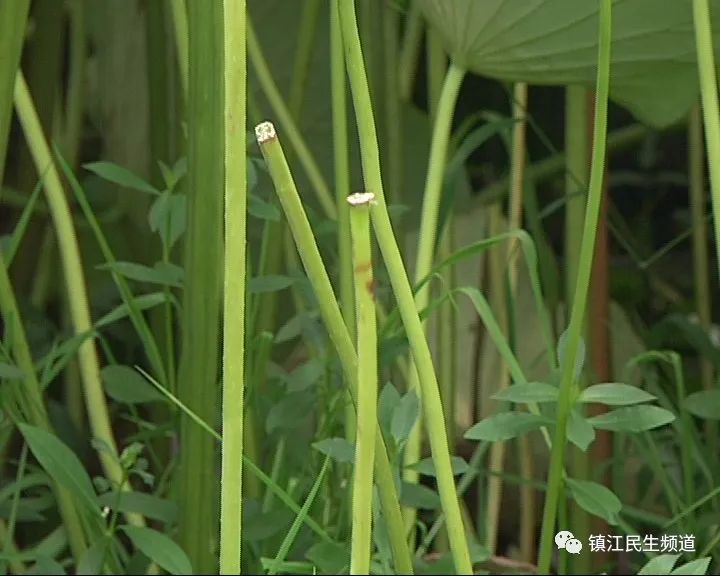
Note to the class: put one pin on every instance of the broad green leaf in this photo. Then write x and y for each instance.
(263, 284)
(92, 561)
(163, 273)
(633, 419)
(121, 176)
(123, 384)
(579, 431)
(262, 210)
(528, 392)
(10, 372)
(696, 567)
(662, 564)
(138, 502)
(338, 449)
(555, 42)
(426, 466)
(293, 410)
(143, 302)
(595, 499)
(405, 416)
(62, 465)
(159, 548)
(388, 401)
(168, 217)
(329, 557)
(505, 426)
(46, 565)
(704, 404)
(615, 394)
(304, 376)
(419, 496)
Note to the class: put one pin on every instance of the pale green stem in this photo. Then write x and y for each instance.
(432, 404)
(341, 165)
(700, 252)
(362, 496)
(234, 287)
(288, 124)
(180, 26)
(410, 50)
(577, 317)
(76, 291)
(76, 84)
(337, 331)
(303, 54)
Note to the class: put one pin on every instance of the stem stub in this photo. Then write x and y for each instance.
(264, 132)
(361, 199)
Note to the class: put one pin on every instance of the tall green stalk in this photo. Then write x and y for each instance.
(180, 28)
(78, 300)
(198, 375)
(367, 383)
(577, 317)
(432, 404)
(337, 330)
(13, 21)
(341, 164)
(235, 77)
(701, 271)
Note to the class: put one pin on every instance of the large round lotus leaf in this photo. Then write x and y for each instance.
(653, 73)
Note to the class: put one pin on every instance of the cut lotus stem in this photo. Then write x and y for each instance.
(433, 411)
(367, 382)
(337, 330)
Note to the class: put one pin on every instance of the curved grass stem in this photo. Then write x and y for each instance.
(577, 317)
(382, 226)
(76, 290)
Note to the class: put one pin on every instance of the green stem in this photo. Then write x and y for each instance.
(432, 404)
(577, 317)
(235, 75)
(700, 252)
(342, 184)
(76, 84)
(13, 23)
(180, 27)
(366, 381)
(337, 331)
(288, 124)
(303, 53)
(76, 291)
(410, 50)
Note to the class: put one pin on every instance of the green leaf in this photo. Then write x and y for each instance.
(143, 302)
(123, 384)
(595, 499)
(62, 465)
(405, 416)
(329, 557)
(262, 210)
(633, 419)
(46, 565)
(168, 217)
(292, 411)
(121, 176)
(528, 392)
(662, 564)
(92, 561)
(159, 548)
(10, 372)
(697, 567)
(388, 401)
(338, 449)
(270, 283)
(304, 376)
(654, 72)
(163, 273)
(505, 426)
(579, 431)
(138, 502)
(426, 466)
(419, 496)
(615, 394)
(704, 404)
